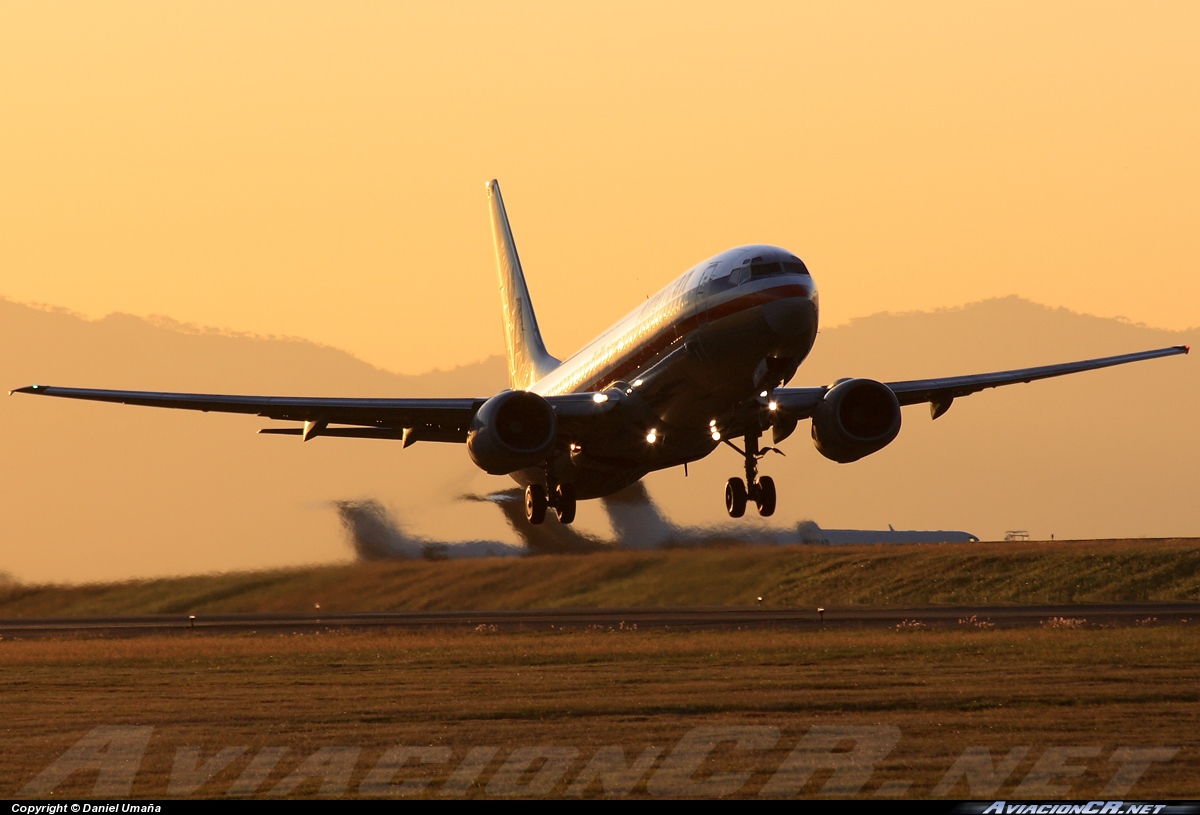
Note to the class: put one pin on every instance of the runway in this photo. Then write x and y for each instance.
(662, 619)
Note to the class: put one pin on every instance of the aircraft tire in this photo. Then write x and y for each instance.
(535, 503)
(735, 497)
(764, 498)
(564, 503)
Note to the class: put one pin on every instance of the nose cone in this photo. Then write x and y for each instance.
(793, 319)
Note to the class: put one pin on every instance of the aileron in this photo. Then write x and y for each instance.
(946, 389)
(431, 419)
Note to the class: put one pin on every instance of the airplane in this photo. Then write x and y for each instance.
(701, 363)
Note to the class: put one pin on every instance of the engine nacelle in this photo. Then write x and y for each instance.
(513, 430)
(857, 417)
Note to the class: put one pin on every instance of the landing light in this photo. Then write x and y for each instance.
(637, 383)
(763, 394)
(599, 397)
(712, 422)
(652, 436)
(716, 434)
(772, 405)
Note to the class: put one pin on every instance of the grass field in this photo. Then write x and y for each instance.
(971, 712)
(1026, 573)
(1065, 707)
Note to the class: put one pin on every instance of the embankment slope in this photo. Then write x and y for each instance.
(997, 573)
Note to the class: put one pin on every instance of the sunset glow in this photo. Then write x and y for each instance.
(317, 170)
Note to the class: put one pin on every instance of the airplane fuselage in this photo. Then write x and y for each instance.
(687, 361)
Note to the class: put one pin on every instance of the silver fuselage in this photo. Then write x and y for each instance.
(684, 361)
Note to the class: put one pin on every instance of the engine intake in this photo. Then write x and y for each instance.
(511, 431)
(857, 417)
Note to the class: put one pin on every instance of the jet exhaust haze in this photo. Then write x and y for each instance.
(376, 535)
(637, 522)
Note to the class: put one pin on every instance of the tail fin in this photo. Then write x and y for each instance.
(528, 360)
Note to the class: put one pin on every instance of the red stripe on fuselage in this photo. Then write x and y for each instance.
(677, 331)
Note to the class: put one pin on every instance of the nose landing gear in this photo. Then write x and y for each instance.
(759, 490)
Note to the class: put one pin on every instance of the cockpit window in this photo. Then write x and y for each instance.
(759, 270)
(777, 268)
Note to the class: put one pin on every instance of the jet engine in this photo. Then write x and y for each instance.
(511, 431)
(857, 417)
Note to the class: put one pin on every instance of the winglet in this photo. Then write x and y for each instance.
(26, 389)
(528, 360)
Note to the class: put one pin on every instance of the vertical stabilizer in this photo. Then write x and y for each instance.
(528, 360)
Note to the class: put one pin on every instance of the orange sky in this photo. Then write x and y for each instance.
(317, 169)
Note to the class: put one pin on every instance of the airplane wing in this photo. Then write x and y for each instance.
(940, 393)
(448, 420)
(411, 420)
(408, 419)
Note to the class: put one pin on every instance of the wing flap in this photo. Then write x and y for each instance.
(428, 419)
(940, 392)
(409, 420)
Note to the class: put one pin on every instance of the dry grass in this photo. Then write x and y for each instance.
(944, 690)
(1026, 573)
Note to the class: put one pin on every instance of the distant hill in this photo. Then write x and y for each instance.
(102, 492)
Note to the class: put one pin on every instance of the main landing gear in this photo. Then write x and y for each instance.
(561, 498)
(759, 490)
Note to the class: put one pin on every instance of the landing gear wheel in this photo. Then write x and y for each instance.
(535, 503)
(564, 503)
(735, 497)
(764, 496)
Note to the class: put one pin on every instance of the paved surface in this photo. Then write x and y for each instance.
(686, 618)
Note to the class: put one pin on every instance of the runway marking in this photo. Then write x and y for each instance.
(687, 618)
